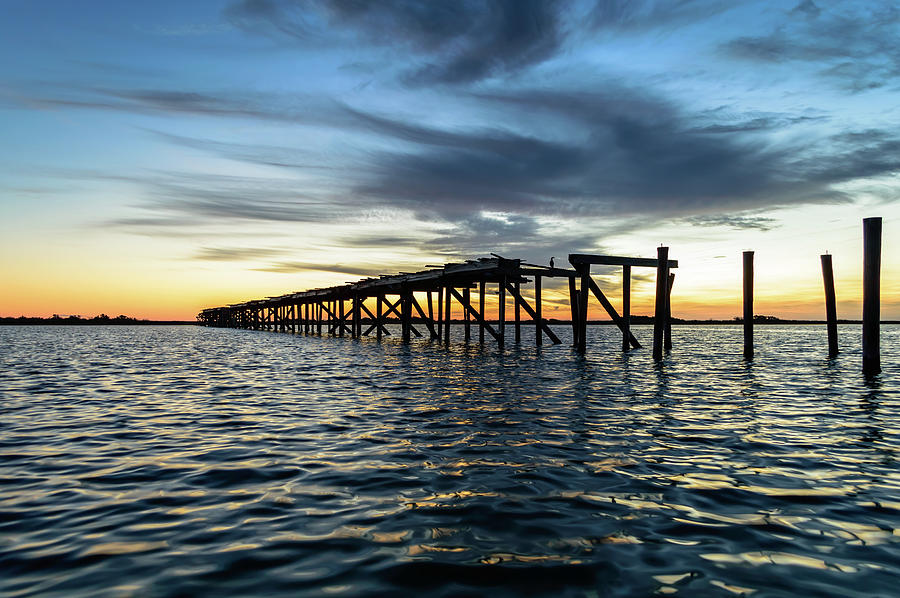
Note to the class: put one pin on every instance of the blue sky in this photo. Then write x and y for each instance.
(263, 146)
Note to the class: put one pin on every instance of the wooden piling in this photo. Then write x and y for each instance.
(573, 306)
(585, 271)
(538, 318)
(748, 305)
(871, 348)
(406, 316)
(468, 323)
(518, 316)
(440, 313)
(434, 333)
(659, 316)
(668, 335)
(447, 315)
(481, 289)
(501, 325)
(830, 305)
(626, 307)
(378, 300)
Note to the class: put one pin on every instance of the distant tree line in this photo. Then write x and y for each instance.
(102, 319)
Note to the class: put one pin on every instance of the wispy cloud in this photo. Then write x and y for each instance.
(234, 254)
(853, 44)
(459, 42)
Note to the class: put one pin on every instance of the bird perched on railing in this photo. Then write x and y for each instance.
(551, 262)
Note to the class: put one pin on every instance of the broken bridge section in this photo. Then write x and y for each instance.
(422, 302)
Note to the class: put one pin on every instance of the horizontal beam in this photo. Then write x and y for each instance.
(615, 260)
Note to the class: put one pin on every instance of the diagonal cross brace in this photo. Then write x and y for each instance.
(478, 317)
(374, 319)
(391, 308)
(528, 309)
(428, 321)
(612, 312)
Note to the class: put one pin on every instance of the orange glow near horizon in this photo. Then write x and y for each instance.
(162, 279)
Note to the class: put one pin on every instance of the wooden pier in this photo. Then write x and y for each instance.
(425, 299)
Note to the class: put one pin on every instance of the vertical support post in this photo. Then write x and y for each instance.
(830, 305)
(668, 335)
(748, 305)
(447, 315)
(434, 333)
(319, 306)
(354, 315)
(871, 296)
(585, 271)
(481, 311)
(518, 315)
(626, 307)
(440, 312)
(340, 318)
(659, 316)
(573, 305)
(405, 315)
(502, 311)
(538, 317)
(467, 295)
(378, 300)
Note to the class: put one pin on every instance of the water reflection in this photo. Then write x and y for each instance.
(185, 461)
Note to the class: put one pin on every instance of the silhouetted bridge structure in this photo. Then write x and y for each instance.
(425, 299)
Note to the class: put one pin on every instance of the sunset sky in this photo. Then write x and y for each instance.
(162, 157)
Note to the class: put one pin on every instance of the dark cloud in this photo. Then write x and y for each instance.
(852, 43)
(628, 151)
(459, 42)
(621, 152)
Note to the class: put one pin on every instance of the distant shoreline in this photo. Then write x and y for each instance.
(636, 321)
(23, 321)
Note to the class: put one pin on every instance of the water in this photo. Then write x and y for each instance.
(183, 461)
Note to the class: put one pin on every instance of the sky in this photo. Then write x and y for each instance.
(159, 158)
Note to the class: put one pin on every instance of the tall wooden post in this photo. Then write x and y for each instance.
(447, 315)
(501, 307)
(659, 315)
(378, 300)
(406, 315)
(319, 305)
(830, 305)
(585, 271)
(481, 311)
(626, 307)
(440, 313)
(467, 295)
(748, 305)
(871, 296)
(518, 314)
(573, 305)
(340, 319)
(668, 335)
(434, 333)
(538, 318)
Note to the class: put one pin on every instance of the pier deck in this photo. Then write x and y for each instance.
(425, 298)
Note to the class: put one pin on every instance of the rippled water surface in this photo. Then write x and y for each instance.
(185, 461)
